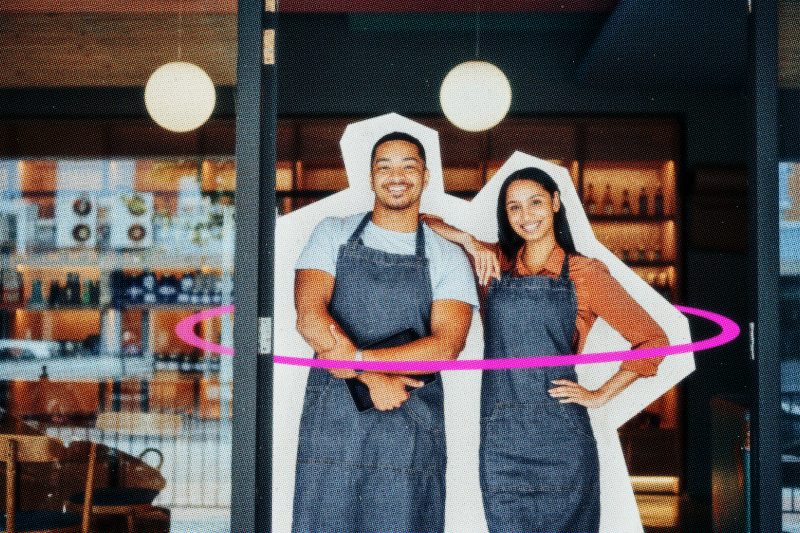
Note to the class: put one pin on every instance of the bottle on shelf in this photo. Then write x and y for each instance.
(641, 249)
(117, 282)
(608, 204)
(643, 203)
(186, 289)
(94, 293)
(625, 206)
(658, 203)
(167, 289)
(12, 286)
(86, 293)
(36, 301)
(658, 246)
(66, 291)
(149, 287)
(54, 296)
(663, 285)
(134, 292)
(589, 202)
(73, 296)
(205, 289)
(627, 242)
(194, 297)
(216, 289)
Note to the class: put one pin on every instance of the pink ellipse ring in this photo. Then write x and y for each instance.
(729, 331)
(185, 330)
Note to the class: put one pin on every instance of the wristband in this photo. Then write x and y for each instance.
(359, 357)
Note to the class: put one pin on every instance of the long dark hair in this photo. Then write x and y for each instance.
(509, 241)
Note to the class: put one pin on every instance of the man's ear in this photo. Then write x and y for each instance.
(425, 176)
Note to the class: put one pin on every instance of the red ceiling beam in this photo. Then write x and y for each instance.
(312, 6)
(447, 6)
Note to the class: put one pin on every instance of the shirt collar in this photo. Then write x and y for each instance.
(551, 266)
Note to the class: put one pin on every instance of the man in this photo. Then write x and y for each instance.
(359, 281)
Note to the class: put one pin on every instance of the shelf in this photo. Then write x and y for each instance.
(123, 307)
(150, 259)
(649, 264)
(89, 368)
(630, 218)
(62, 308)
(166, 307)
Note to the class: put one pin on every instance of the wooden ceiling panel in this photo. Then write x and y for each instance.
(115, 50)
(789, 44)
(308, 6)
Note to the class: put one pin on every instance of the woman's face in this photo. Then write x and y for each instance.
(530, 209)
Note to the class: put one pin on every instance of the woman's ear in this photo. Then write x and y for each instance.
(556, 201)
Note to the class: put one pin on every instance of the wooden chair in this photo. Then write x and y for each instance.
(130, 491)
(16, 449)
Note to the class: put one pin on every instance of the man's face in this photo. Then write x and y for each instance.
(398, 174)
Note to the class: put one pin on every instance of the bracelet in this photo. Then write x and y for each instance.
(359, 357)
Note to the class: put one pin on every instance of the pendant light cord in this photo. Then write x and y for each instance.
(477, 28)
(180, 32)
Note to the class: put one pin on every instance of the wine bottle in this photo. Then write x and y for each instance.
(608, 203)
(658, 203)
(590, 204)
(643, 202)
(36, 301)
(625, 207)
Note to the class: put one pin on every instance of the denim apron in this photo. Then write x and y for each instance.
(373, 471)
(538, 460)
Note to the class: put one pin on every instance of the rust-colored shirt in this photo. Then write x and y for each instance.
(598, 294)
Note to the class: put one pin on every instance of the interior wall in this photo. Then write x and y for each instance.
(360, 78)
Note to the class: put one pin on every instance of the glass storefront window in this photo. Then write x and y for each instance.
(99, 261)
(789, 230)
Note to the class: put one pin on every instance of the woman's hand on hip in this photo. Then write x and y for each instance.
(571, 392)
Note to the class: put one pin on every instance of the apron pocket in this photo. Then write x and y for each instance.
(575, 417)
(425, 405)
(308, 421)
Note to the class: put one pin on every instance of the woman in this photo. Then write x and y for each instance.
(538, 461)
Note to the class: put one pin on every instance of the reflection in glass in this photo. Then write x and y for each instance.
(93, 258)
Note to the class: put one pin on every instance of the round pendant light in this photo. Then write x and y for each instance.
(475, 96)
(179, 96)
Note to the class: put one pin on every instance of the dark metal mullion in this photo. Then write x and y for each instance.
(246, 372)
(266, 274)
(763, 263)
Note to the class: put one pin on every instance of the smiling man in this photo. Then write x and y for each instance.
(378, 286)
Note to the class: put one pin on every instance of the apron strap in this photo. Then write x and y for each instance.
(420, 240)
(565, 267)
(356, 236)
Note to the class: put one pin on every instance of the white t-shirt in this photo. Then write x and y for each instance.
(451, 272)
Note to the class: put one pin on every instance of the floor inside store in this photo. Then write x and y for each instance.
(660, 514)
(668, 513)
